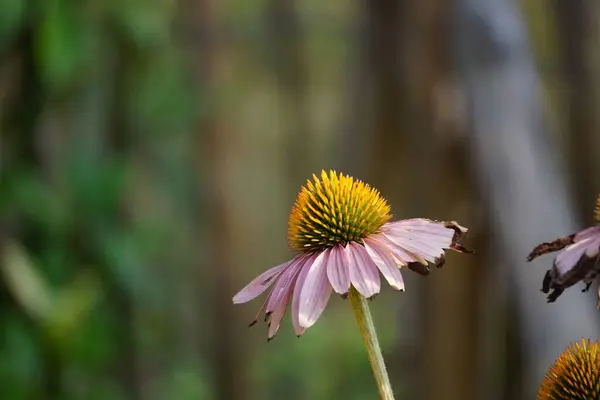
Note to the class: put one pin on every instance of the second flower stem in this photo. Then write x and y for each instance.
(367, 330)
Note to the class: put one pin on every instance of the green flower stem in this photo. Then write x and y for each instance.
(367, 330)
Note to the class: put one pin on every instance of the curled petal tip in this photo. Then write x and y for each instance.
(547, 282)
(252, 323)
(461, 249)
(419, 268)
(554, 295)
(439, 263)
(271, 336)
(456, 226)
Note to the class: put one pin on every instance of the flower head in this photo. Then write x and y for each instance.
(575, 375)
(578, 260)
(341, 228)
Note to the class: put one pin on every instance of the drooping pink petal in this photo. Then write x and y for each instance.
(570, 256)
(434, 228)
(416, 246)
(439, 234)
(593, 247)
(403, 256)
(363, 271)
(586, 233)
(315, 292)
(337, 270)
(423, 238)
(296, 299)
(277, 316)
(261, 309)
(285, 283)
(382, 257)
(259, 284)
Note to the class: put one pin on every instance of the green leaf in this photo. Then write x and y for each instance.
(25, 282)
(72, 304)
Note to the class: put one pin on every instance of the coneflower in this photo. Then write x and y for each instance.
(575, 375)
(342, 232)
(577, 261)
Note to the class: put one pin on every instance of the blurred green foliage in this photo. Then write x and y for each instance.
(92, 76)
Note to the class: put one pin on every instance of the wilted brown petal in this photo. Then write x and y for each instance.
(577, 261)
(550, 247)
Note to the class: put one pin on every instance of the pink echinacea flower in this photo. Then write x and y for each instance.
(578, 260)
(342, 230)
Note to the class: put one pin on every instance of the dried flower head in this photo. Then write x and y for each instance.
(341, 228)
(575, 375)
(578, 260)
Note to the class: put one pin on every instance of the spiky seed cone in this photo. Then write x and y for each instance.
(575, 375)
(335, 209)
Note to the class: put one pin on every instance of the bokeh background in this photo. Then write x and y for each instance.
(150, 151)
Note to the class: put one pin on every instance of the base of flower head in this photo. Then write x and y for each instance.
(344, 296)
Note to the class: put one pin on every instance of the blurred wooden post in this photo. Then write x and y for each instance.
(214, 142)
(574, 22)
(287, 49)
(382, 54)
(449, 297)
